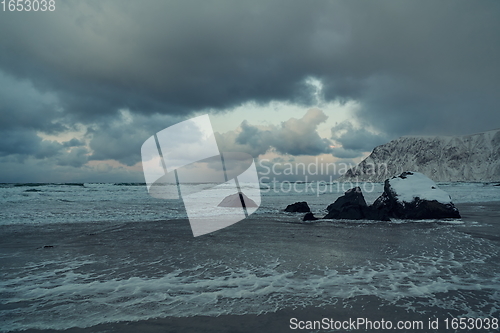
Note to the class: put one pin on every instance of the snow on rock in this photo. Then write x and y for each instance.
(411, 185)
(412, 195)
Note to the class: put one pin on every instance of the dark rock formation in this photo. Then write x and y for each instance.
(413, 196)
(298, 207)
(354, 196)
(352, 206)
(234, 200)
(309, 217)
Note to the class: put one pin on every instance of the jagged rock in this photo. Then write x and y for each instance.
(412, 195)
(352, 206)
(234, 200)
(298, 207)
(309, 217)
(353, 196)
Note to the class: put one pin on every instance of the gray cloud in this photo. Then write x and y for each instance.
(227, 142)
(355, 139)
(47, 149)
(121, 145)
(20, 142)
(343, 153)
(23, 106)
(22, 145)
(73, 143)
(421, 67)
(121, 138)
(76, 157)
(294, 136)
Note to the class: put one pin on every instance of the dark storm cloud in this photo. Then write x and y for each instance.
(22, 144)
(157, 56)
(121, 138)
(26, 142)
(170, 57)
(421, 66)
(22, 106)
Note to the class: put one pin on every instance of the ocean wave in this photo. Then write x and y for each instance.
(79, 299)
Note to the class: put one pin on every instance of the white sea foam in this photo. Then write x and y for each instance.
(66, 297)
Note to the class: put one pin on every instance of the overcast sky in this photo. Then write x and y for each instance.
(84, 86)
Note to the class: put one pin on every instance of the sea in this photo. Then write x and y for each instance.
(106, 257)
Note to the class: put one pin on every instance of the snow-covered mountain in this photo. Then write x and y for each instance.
(442, 158)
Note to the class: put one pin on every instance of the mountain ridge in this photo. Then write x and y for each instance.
(471, 158)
